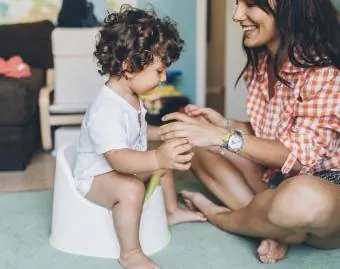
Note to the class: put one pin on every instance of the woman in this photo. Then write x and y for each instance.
(293, 136)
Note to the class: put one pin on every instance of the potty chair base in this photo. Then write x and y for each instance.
(83, 228)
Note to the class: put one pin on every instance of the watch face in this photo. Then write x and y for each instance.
(235, 142)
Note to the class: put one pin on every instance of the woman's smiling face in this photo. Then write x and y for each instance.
(259, 27)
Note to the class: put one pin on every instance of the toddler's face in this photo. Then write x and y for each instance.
(148, 79)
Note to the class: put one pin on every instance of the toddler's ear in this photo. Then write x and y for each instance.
(128, 75)
(126, 70)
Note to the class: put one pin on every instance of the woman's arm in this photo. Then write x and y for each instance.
(245, 127)
(266, 152)
(270, 153)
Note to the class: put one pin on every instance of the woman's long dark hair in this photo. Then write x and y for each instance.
(309, 32)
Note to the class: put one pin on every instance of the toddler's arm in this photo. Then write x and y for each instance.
(132, 161)
(175, 154)
(153, 133)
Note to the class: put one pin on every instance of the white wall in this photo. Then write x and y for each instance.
(235, 60)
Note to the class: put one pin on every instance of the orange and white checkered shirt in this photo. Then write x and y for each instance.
(305, 117)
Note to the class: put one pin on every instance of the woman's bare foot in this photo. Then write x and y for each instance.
(137, 260)
(271, 251)
(197, 201)
(180, 215)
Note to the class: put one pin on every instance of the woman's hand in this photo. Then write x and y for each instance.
(209, 114)
(217, 119)
(175, 154)
(198, 133)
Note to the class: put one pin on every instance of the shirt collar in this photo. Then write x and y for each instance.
(288, 67)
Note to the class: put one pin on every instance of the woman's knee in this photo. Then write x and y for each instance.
(302, 202)
(201, 162)
(199, 157)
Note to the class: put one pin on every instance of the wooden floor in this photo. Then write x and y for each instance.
(39, 175)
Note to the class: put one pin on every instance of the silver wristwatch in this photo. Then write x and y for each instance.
(233, 141)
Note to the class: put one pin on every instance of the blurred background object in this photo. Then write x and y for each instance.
(166, 98)
(77, 13)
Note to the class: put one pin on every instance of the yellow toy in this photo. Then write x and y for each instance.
(152, 100)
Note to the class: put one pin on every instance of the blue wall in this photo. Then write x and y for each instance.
(99, 8)
(337, 3)
(184, 13)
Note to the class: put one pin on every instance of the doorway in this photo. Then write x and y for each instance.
(220, 59)
(216, 44)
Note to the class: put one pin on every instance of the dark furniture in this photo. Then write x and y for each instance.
(19, 112)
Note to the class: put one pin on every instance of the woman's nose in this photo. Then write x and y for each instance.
(239, 13)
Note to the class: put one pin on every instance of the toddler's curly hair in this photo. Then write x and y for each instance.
(136, 37)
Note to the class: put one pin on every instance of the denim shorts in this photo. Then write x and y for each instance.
(328, 175)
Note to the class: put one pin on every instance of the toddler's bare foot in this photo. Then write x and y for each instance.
(271, 251)
(137, 260)
(180, 215)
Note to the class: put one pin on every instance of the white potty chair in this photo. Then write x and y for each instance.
(83, 228)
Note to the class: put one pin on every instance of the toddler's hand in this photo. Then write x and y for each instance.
(175, 154)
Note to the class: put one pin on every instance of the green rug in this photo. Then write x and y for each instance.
(25, 224)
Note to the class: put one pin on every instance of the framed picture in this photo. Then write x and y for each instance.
(20, 11)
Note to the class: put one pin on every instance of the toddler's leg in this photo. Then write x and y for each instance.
(176, 214)
(124, 195)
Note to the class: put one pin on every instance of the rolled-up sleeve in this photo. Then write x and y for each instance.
(314, 135)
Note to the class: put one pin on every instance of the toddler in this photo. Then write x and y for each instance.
(134, 49)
